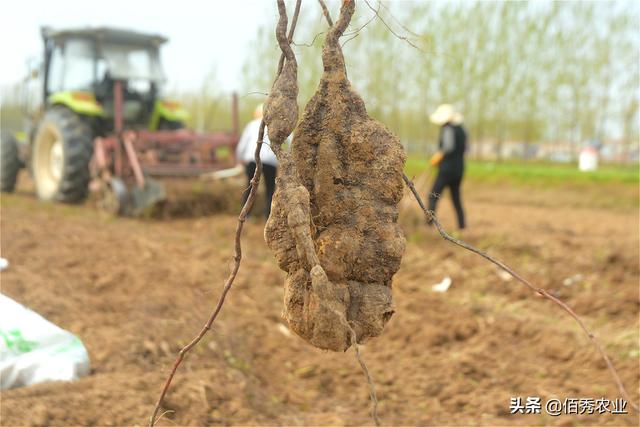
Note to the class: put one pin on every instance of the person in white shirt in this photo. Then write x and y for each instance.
(245, 154)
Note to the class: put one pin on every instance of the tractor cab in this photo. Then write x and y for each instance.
(84, 67)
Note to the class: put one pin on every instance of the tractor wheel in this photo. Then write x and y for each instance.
(62, 149)
(9, 162)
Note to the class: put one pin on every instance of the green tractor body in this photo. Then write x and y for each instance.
(103, 120)
(81, 66)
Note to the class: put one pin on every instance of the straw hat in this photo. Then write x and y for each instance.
(445, 113)
(257, 113)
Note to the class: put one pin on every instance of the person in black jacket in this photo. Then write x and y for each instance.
(449, 158)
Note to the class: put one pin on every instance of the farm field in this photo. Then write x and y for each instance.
(536, 172)
(135, 291)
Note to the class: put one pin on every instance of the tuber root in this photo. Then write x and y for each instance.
(333, 226)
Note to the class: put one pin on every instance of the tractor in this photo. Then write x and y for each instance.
(101, 124)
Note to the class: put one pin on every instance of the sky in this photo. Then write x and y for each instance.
(203, 35)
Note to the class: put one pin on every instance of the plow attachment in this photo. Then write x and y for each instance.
(141, 200)
(124, 167)
(114, 197)
(125, 161)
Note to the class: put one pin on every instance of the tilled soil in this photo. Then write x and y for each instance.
(135, 291)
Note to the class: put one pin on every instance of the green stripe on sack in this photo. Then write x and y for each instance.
(14, 340)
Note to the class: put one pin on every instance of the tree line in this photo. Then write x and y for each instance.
(558, 72)
(518, 71)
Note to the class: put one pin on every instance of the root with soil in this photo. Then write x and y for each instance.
(321, 305)
(334, 224)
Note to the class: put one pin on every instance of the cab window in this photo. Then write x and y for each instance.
(72, 66)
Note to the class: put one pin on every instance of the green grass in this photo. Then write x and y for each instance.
(535, 172)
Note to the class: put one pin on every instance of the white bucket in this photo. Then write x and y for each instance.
(588, 159)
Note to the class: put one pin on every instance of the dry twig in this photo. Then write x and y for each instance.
(431, 216)
(404, 27)
(311, 43)
(405, 38)
(349, 39)
(255, 181)
(294, 22)
(365, 370)
(452, 58)
(373, 17)
(254, 93)
(325, 12)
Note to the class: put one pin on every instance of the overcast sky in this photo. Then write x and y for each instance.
(202, 34)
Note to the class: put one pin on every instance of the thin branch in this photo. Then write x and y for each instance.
(227, 286)
(294, 21)
(254, 93)
(404, 27)
(431, 216)
(372, 387)
(308, 44)
(391, 29)
(349, 39)
(168, 411)
(325, 12)
(456, 60)
(374, 16)
(242, 217)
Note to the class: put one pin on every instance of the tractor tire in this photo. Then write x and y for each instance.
(10, 163)
(62, 150)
